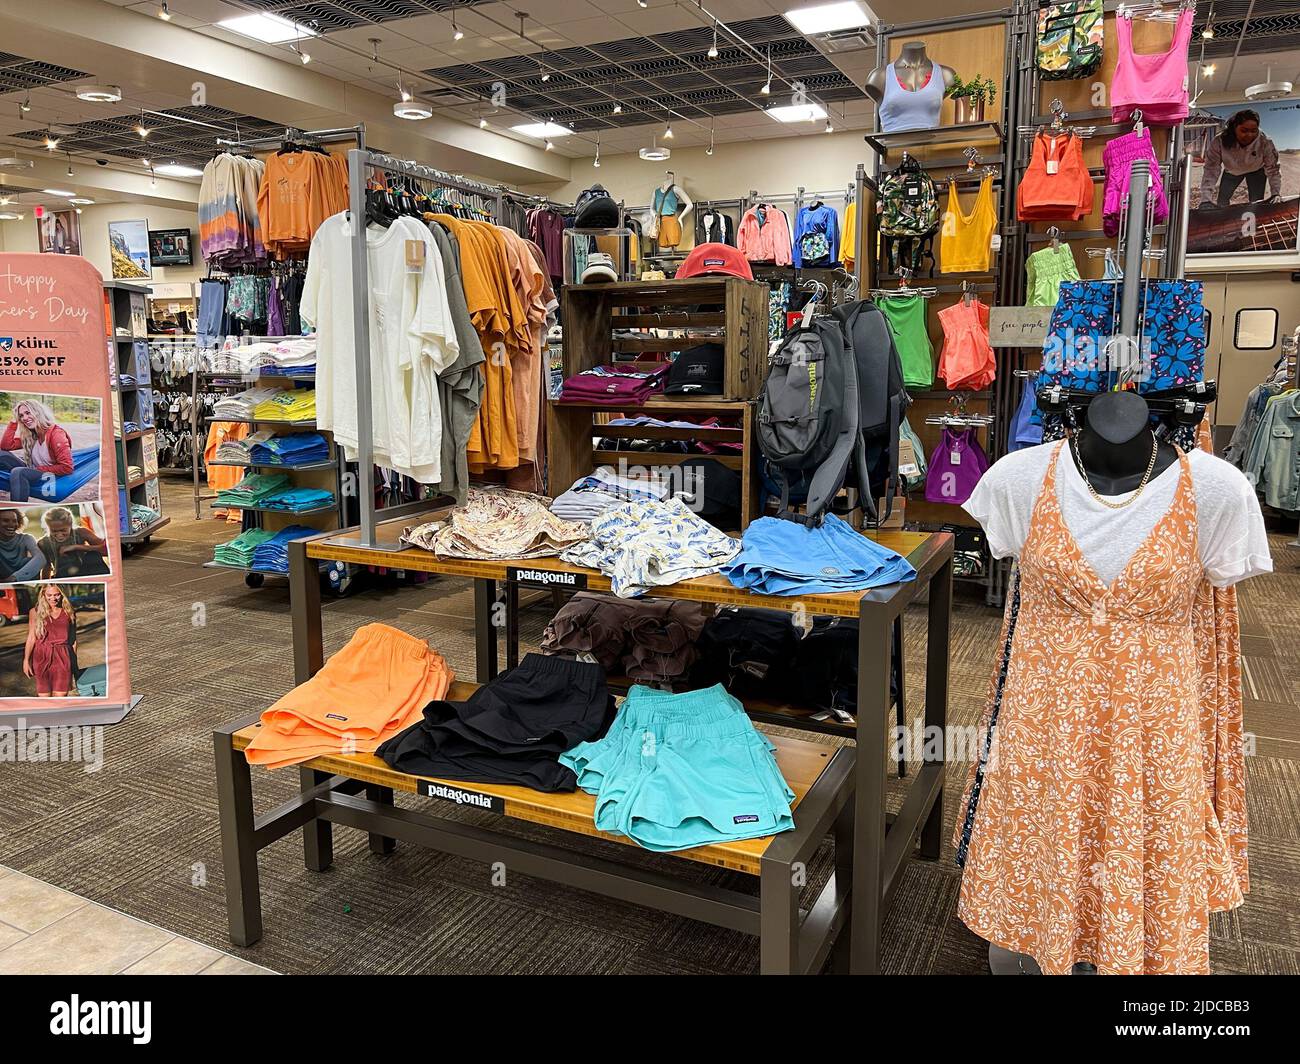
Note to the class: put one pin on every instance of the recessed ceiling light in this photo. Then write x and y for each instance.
(81, 201)
(269, 29)
(99, 93)
(804, 112)
(57, 191)
(542, 129)
(176, 170)
(412, 110)
(827, 18)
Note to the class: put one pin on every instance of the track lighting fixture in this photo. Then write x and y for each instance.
(51, 143)
(709, 149)
(642, 3)
(163, 13)
(713, 48)
(618, 108)
(141, 128)
(596, 162)
(303, 57)
(546, 76)
(1209, 69)
(766, 90)
(668, 131)
(26, 105)
(829, 128)
(550, 145)
(456, 32)
(69, 165)
(482, 123)
(1208, 32)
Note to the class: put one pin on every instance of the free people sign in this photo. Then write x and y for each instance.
(63, 656)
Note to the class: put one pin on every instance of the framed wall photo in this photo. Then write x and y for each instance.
(59, 233)
(1245, 182)
(128, 246)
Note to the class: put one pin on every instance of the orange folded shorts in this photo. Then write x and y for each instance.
(373, 688)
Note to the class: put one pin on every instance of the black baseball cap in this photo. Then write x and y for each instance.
(697, 371)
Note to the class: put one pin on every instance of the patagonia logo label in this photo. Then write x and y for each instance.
(715, 262)
(334, 716)
(748, 818)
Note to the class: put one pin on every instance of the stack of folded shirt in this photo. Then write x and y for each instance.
(786, 558)
(591, 496)
(292, 404)
(653, 639)
(682, 446)
(143, 516)
(252, 489)
(237, 451)
(620, 384)
(713, 777)
(272, 357)
(273, 555)
(640, 545)
(300, 448)
(298, 500)
(239, 551)
(240, 406)
(367, 693)
(498, 523)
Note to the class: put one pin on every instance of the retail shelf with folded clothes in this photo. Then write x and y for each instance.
(265, 460)
(700, 350)
(131, 385)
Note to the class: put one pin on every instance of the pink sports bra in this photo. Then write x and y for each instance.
(1156, 83)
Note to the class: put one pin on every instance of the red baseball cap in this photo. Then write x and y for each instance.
(715, 258)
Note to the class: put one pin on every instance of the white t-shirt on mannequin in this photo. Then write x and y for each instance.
(1231, 539)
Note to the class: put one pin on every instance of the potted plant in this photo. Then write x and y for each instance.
(971, 97)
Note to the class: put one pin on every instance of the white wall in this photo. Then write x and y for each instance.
(771, 167)
(21, 235)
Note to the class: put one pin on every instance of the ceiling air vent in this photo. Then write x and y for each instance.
(841, 41)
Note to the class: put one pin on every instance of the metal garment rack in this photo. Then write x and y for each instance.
(361, 163)
(1007, 266)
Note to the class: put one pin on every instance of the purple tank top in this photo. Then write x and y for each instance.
(955, 467)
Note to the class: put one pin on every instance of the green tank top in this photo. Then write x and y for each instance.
(906, 317)
(1044, 272)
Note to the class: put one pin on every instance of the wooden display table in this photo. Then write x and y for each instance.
(846, 798)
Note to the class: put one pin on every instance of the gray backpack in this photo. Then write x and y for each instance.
(808, 418)
(833, 396)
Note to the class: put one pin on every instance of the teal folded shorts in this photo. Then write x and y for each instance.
(676, 771)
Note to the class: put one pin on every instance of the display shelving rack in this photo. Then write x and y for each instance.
(126, 317)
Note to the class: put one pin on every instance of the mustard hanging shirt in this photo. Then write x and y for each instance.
(965, 244)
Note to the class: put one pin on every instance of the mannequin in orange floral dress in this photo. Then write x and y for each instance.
(1097, 837)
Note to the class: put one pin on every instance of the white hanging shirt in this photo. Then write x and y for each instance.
(412, 340)
(1231, 539)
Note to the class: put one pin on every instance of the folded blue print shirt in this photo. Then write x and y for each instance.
(779, 557)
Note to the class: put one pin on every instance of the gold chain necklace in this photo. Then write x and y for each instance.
(1151, 465)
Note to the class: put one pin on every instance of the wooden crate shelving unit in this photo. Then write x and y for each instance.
(726, 310)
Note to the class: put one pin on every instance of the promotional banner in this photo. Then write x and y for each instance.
(1245, 181)
(63, 656)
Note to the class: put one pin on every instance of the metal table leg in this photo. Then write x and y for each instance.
(380, 844)
(485, 629)
(874, 629)
(317, 835)
(939, 622)
(238, 851)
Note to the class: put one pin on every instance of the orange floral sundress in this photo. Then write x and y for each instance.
(1096, 837)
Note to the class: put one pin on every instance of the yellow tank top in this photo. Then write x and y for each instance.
(964, 246)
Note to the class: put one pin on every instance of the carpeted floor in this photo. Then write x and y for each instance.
(141, 835)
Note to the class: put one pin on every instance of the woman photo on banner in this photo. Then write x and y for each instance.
(34, 445)
(1241, 153)
(50, 655)
(20, 556)
(69, 548)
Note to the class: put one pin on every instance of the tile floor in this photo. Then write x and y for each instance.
(45, 930)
